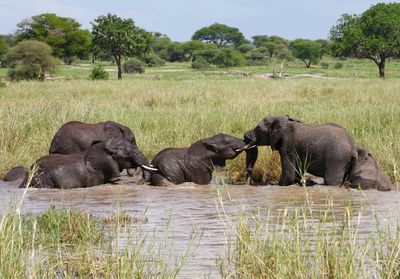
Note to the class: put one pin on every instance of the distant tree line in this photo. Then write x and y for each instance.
(373, 35)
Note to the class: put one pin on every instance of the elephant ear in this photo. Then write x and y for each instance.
(112, 130)
(211, 146)
(277, 128)
(112, 146)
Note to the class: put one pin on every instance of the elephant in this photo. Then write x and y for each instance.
(101, 163)
(15, 173)
(326, 150)
(74, 137)
(195, 163)
(366, 174)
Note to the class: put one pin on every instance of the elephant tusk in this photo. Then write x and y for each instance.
(149, 168)
(246, 147)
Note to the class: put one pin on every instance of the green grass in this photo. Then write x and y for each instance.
(174, 113)
(72, 244)
(303, 243)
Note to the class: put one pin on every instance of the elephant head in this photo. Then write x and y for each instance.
(218, 149)
(269, 131)
(115, 130)
(125, 154)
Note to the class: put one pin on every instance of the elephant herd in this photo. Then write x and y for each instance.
(85, 155)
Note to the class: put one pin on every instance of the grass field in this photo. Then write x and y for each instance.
(175, 106)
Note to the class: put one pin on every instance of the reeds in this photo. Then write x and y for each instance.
(64, 243)
(302, 242)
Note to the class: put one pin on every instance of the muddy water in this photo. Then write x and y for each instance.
(194, 207)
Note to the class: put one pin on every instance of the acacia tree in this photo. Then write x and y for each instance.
(30, 59)
(375, 35)
(220, 34)
(305, 50)
(63, 34)
(120, 38)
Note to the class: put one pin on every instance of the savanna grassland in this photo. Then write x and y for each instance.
(175, 106)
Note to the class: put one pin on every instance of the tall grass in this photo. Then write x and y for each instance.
(304, 243)
(73, 244)
(165, 113)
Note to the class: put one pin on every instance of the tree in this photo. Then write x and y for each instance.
(160, 44)
(120, 38)
(305, 50)
(30, 60)
(220, 34)
(3, 50)
(221, 57)
(192, 46)
(373, 35)
(63, 34)
(274, 44)
(324, 47)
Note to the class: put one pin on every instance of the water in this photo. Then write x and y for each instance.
(192, 207)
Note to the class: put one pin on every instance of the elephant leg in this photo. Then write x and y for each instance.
(334, 175)
(158, 180)
(288, 176)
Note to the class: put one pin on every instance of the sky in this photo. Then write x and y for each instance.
(179, 19)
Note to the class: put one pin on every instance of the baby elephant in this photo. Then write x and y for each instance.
(367, 174)
(100, 164)
(196, 163)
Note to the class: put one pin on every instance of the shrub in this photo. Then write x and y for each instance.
(153, 60)
(338, 65)
(133, 66)
(224, 57)
(227, 57)
(30, 60)
(324, 65)
(98, 73)
(200, 64)
(257, 57)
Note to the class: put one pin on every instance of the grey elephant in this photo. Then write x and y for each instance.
(15, 173)
(75, 136)
(101, 163)
(366, 174)
(197, 162)
(326, 150)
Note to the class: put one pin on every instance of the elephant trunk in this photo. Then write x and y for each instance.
(143, 162)
(251, 158)
(251, 153)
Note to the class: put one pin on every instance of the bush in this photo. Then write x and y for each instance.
(227, 57)
(133, 66)
(338, 65)
(98, 73)
(200, 64)
(153, 60)
(257, 57)
(324, 65)
(224, 57)
(30, 60)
